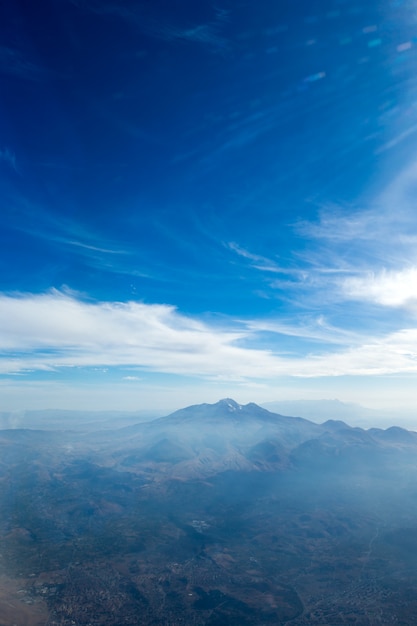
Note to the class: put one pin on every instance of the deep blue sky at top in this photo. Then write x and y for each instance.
(207, 196)
(164, 131)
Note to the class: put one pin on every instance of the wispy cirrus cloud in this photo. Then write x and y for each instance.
(207, 34)
(227, 136)
(387, 222)
(56, 229)
(367, 255)
(14, 62)
(257, 261)
(9, 157)
(315, 328)
(400, 137)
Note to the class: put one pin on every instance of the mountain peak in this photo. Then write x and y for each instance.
(232, 405)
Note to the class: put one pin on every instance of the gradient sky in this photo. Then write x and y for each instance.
(207, 199)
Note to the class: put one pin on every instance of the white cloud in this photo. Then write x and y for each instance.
(365, 254)
(54, 330)
(389, 288)
(337, 225)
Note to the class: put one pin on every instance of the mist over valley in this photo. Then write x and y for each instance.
(219, 514)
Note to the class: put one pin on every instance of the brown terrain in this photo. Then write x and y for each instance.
(278, 521)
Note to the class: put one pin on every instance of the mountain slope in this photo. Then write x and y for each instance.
(206, 439)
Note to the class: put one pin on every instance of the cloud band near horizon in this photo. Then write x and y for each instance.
(53, 330)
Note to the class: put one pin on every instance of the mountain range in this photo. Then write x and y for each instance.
(355, 414)
(220, 514)
(205, 439)
(316, 411)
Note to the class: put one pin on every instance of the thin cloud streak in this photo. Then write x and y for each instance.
(315, 329)
(9, 157)
(36, 221)
(382, 227)
(259, 262)
(397, 139)
(14, 63)
(205, 34)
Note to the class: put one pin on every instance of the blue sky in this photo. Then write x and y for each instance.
(207, 199)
